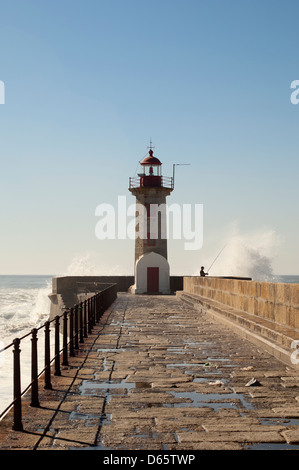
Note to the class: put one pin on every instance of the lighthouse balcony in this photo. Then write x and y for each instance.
(153, 181)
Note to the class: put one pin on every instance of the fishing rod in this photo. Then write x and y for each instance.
(217, 256)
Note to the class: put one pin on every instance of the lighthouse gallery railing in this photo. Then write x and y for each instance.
(138, 181)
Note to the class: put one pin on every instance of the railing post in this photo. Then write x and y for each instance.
(72, 352)
(48, 385)
(34, 369)
(81, 322)
(85, 319)
(99, 306)
(96, 305)
(93, 311)
(90, 312)
(76, 328)
(17, 411)
(65, 359)
(57, 350)
(89, 316)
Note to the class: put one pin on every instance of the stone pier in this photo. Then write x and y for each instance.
(158, 374)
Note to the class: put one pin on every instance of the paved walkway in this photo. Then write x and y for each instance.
(157, 375)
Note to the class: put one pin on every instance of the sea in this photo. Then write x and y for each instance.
(24, 304)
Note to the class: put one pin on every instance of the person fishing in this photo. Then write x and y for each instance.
(202, 272)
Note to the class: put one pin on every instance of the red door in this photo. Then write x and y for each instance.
(152, 279)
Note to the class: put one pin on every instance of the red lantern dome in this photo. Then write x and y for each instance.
(150, 159)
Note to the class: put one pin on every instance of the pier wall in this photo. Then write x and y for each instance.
(276, 302)
(70, 290)
(265, 313)
(76, 283)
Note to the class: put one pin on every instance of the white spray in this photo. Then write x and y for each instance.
(249, 255)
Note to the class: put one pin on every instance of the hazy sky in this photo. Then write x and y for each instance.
(89, 82)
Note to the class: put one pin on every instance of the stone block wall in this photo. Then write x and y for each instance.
(64, 284)
(276, 302)
(68, 290)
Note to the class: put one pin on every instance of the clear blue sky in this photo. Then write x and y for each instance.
(88, 82)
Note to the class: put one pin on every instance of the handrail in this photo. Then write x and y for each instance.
(164, 182)
(77, 323)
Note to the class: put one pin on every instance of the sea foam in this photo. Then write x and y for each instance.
(246, 255)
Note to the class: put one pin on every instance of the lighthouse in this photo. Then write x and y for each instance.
(150, 189)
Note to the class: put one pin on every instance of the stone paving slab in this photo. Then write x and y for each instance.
(156, 374)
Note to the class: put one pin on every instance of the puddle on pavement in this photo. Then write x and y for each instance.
(176, 350)
(89, 387)
(74, 415)
(188, 364)
(281, 421)
(201, 380)
(193, 398)
(208, 379)
(212, 400)
(113, 350)
(123, 324)
(272, 446)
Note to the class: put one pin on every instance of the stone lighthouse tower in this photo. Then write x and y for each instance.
(151, 189)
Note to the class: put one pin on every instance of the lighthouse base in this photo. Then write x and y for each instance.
(151, 275)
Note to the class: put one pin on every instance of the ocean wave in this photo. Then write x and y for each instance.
(22, 308)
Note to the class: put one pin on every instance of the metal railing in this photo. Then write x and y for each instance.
(140, 181)
(77, 323)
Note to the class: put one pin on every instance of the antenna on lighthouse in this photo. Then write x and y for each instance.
(177, 164)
